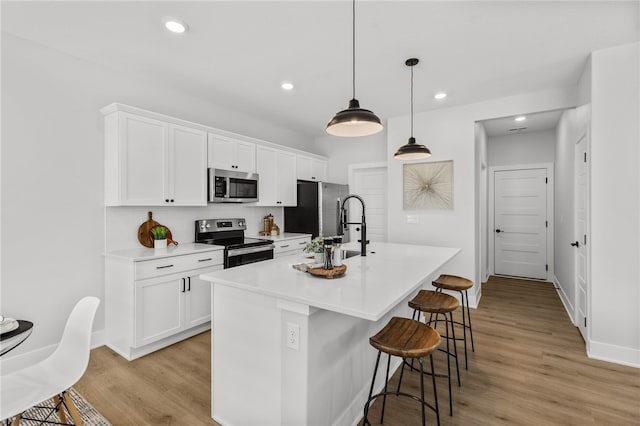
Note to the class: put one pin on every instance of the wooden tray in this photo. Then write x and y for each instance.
(328, 273)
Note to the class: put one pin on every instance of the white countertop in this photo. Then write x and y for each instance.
(371, 286)
(144, 253)
(282, 237)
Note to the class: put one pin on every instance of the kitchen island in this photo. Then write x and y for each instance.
(289, 348)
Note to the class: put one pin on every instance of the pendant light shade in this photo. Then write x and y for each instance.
(354, 121)
(412, 150)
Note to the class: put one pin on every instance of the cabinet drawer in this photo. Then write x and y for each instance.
(176, 264)
(295, 244)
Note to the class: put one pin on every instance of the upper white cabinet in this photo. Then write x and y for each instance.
(152, 162)
(277, 171)
(231, 154)
(309, 168)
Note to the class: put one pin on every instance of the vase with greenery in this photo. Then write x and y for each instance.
(159, 236)
(316, 246)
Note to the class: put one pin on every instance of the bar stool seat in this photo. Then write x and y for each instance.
(461, 285)
(437, 304)
(405, 338)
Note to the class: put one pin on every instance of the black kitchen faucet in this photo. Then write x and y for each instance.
(363, 225)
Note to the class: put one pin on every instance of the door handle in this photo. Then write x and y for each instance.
(498, 231)
(576, 244)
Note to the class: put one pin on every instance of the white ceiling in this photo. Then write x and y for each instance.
(236, 53)
(534, 122)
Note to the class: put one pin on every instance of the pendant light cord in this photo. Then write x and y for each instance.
(353, 58)
(411, 100)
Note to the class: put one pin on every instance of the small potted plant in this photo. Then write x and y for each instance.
(316, 246)
(159, 237)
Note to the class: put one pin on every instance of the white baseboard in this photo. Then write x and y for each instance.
(613, 353)
(19, 361)
(565, 300)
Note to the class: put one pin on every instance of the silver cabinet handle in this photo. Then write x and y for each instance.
(182, 291)
(189, 283)
(204, 260)
(165, 266)
(284, 246)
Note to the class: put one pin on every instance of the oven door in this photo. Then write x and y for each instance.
(246, 255)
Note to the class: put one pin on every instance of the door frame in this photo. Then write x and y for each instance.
(550, 210)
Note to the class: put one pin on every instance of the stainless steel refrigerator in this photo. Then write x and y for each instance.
(318, 209)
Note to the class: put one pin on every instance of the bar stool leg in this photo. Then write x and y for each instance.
(464, 331)
(435, 392)
(424, 417)
(455, 345)
(384, 397)
(446, 325)
(365, 421)
(473, 349)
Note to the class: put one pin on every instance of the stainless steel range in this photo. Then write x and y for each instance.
(229, 233)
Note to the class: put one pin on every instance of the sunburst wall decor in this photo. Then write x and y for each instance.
(428, 185)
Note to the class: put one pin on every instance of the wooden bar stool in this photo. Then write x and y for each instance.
(437, 304)
(405, 338)
(461, 285)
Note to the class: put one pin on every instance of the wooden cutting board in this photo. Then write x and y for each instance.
(144, 232)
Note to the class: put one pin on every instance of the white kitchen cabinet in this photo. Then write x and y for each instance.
(289, 246)
(277, 171)
(152, 162)
(309, 168)
(230, 154)
(155, 302)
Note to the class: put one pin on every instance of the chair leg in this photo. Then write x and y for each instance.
(73, 410)
(57, 400)
(464, 332)
(446, 326)
(424, 420)
(455, 345)
(435, 391)
(16, 420)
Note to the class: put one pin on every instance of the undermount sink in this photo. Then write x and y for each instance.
(351, 253)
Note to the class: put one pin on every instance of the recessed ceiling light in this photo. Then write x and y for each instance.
(521, 118)
(440, 95)
(175, 26)
(287, 86)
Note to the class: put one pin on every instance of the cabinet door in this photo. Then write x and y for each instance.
(267, 168)
(159, 308)
(289, 247)
(303, 167)
(318, 170)
(188, 166)
(198, 299)
(287, 190)
(221, 153)
(143, 160)
(245, 157)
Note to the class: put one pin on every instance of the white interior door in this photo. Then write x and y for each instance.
(371, 184)
(580, 212)
(520, 223)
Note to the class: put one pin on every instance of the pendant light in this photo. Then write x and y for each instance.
(354, 121)
(412, 150)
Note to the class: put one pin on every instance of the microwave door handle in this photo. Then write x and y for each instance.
(228, 187)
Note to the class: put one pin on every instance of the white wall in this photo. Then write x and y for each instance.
(345, 151)
(450, 134)
(521, 148)
(564, 264)
(53, 218)
(615, 204)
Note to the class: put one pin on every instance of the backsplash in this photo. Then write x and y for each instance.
(121, 223)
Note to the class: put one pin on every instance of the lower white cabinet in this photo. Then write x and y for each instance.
(290, 246)
(154, 303)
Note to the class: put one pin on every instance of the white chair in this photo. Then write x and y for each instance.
(52, 377)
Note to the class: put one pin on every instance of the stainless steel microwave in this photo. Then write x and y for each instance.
(226, 186)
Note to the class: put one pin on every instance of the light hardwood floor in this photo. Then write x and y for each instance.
(529, 368)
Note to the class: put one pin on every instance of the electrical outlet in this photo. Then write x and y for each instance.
(412, 218)
(293, 336)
